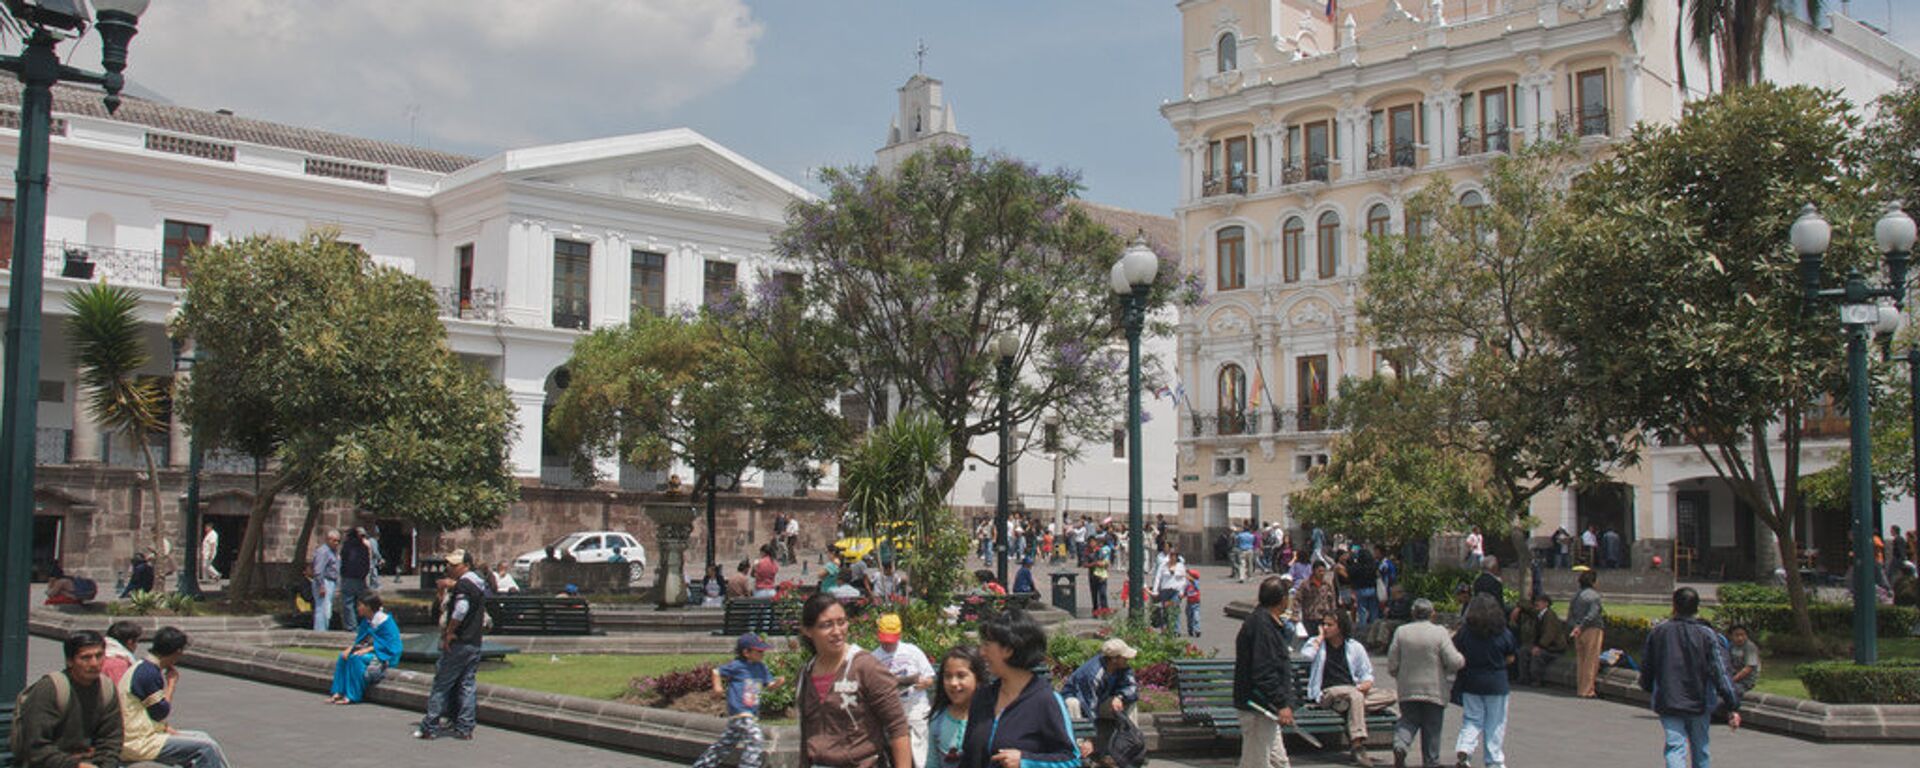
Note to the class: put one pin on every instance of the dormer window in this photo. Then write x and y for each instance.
(1226, 53)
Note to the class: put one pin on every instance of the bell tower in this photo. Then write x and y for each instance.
(924, 121)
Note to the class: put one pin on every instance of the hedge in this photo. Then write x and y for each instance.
(1843, 682)
(1749, 592)
(1832, 618)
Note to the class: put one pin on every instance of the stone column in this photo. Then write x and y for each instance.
(1629, 96)
(673, 526)
(177, 445)
(86, 431)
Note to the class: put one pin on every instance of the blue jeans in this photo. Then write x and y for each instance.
(349, 599)
(1193, 619)
(323, 590)
(1366, 606)
(1483, 716)
(1686, 740)
(453, 689)
(191, 749)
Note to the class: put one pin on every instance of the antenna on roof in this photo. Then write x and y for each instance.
(413, 120)
(920, 54)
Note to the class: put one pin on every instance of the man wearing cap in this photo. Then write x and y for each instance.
(741, 682)
(1104, 689)
(914, 672)
(460, 636)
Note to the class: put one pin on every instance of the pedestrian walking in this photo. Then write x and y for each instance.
(1421, 659)
(1588, 619)
(209, 550)
(1243, 553)
(1263, 689)
(962, 671)
(463, 626)
(850, 715)
(323, 568)
(1192, 597)
(1684, 669)
(1476, 548)
(1099, 557)
(1017, 721)
(1316, 597)
(1487, 647)
(741, 681)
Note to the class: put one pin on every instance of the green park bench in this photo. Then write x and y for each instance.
(762, 615)
(540, 615)
(1205, 690)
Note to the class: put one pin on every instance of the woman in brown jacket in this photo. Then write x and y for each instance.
(850, 713)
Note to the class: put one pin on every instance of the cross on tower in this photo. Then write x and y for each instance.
(920, 54)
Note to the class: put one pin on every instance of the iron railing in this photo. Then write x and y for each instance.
(1255, 421)
(1583, 122)
(1226, 184)
(469, 304)
(1395, 154)
(120, 266)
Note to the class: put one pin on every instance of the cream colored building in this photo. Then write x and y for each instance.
(1299, 133)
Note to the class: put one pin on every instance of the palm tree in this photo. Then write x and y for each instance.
(108, 352)
(1734, 29)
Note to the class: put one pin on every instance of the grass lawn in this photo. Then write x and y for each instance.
(1776, 672)
(594, 676)
(1643, 611)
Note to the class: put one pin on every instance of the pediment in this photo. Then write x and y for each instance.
(691, 179)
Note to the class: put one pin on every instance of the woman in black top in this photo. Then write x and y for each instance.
(1481, 687)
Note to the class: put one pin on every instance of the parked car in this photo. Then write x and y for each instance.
(588, 547)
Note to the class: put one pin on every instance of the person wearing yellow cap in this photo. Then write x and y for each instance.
(915, 672)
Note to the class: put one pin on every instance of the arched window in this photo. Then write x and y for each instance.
(1472, 201)
(1226, 53)
(1291, 258)
(1378, 220)
(1328, 241)
(1233, 399)
(1230, 248)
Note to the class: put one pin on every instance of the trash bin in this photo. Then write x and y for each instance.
(1064, 595)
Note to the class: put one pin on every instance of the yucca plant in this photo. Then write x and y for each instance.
(108, 353)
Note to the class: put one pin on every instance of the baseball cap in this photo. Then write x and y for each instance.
(750, 642)
(888, 628)
(457, 557)
(1117, 647)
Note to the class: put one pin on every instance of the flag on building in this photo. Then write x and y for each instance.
(1163, 391)
(1259, 386)
(1332, 5)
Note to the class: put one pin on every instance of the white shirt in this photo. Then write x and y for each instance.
(504, 582)
(209, 543)
(1475, 544)
(1588, 540)
(907, 660)
(1175, 580)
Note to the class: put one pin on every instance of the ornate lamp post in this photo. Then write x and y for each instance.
(1005, 347)
(1131, 279)
(184, 357)
(46, 23)
(1861, 317)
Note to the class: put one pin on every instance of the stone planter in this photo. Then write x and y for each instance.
(673, 526)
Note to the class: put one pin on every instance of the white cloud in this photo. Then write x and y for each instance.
(482, 74)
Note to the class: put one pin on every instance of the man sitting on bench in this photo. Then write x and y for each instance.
(1340, 678)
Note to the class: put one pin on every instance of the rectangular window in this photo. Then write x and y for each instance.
(572, 268)
(1319, 146)
(1327, 241)
(1401, 131)
(1120, 442)
(1229, 166)
(6, 233)
(853, 409)
(53, 391)
(1591, 91)
(179, 238)
(1294, 170)
(1312, 398)
(648, 290)
(1232, 245)
(1290, 256)
(464, 257)
(720, 281)
(787, 285)
(1494, 109)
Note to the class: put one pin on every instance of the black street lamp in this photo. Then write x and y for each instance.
(1861, 316)
(45, 24)
(1132, 278)
(1006, 346)
(185, 354)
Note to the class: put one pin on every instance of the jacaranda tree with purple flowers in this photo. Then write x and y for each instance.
(909, 275)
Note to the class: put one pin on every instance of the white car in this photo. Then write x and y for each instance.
(587, 547)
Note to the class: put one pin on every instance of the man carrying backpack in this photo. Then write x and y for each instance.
(71, 718)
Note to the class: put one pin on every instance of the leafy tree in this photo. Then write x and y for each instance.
(1678, 293)
(1891, 137)
(911, 275)
(109, 351)
(665, 388)
(1734, 29)
(1398, 475)
(1466, 304)
(339, 370)
(891, 484)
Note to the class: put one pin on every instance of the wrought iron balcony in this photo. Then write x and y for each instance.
(1397, 154)
(1255, 422)
(1226, 184)
(470, 304)
(1582, 123)
(119, 266)
(1475, 142)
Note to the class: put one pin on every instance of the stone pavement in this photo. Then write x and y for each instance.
(263, 725)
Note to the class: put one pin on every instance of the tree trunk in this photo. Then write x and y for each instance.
(246, 562)
(163, 558)
(1796, 590)
(301, 544)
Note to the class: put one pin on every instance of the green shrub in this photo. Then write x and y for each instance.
(1828, 618)
(1818, 647)
(1748, 592)
(1627, 633)
(1437, 584)
(1843, 682)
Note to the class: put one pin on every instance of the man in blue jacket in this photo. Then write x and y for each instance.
(1104, 689)
(1684, 669)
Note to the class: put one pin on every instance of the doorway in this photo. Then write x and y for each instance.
(230, 528)
(46, 544)
(1609, 508)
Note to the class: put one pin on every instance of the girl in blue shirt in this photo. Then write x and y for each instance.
(961, 672)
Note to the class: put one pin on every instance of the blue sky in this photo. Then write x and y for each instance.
(792, 84)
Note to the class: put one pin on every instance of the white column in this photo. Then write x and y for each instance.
(528, 406)
(86, 431)
(1629, 95)
(1549, 105)
(1660, 517)
(1450, 124)
(177, 445)
(607, 284)
(1527, 101)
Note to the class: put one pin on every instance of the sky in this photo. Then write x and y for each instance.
(794, 85)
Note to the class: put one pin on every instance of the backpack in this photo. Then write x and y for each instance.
(84, 590)
(62, 692)
(1127, 746)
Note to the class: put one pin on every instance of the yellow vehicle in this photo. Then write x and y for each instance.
(899, 540)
